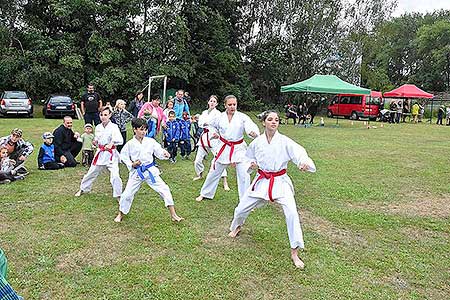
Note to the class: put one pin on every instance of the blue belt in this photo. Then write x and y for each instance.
(141, 169)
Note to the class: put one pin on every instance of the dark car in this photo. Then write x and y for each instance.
(16, 103)
(59, 106)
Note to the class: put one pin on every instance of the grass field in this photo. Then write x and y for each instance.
(375, 218)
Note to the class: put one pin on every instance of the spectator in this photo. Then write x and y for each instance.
(421, 111)
(447, 116)
(155, 112)
(180, 105)
(188, 98)
(18, 148)
(136, 104)
(46, 157)
(392, 111)
(121, 117)
(415, 112)
(7, 172)
(88, 147)
(399, 111)
(169, 107)
(440, 115)
(312, 111)
(66, 144)
(91, 104)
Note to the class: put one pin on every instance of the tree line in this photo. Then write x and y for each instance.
(245, 47)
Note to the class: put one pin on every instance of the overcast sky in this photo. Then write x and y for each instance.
(421, 6)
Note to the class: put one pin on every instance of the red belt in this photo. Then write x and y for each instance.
(226, 143)
(271, 176)
(205, 130)
(102, 148)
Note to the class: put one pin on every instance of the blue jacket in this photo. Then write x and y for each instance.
(185, 128)
(173, 131)
(46, 154)
(179, 107)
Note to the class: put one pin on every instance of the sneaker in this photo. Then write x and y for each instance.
(19, 177)
(22, 171)
(79, 193)
(6, 181)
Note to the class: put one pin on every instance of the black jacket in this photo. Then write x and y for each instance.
(63, 140)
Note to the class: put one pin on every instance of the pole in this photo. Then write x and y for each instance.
(149, 87)
(431, 111)
(164, 91)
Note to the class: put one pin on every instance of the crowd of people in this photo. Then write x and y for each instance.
(219, 133)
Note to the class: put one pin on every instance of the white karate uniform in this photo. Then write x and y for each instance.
(135, 150)
(231, 131)
(274, 157)
(203, 122)
(104, 136)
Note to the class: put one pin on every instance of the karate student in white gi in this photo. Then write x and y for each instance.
(107, 138)
(137, 155)
(269, 154)
(205, 143)
(230, 126)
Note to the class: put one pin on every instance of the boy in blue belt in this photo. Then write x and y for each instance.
(46, 157)
(172, 135)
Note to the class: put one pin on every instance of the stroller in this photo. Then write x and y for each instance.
(385, 115)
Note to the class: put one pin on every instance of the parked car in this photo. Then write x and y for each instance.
(355, 106)
(59, 106)
(16, 103)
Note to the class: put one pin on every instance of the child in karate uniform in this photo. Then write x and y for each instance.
(230, 126)
(137, 155)
(270, 154)
(205, 143)
(107, 138)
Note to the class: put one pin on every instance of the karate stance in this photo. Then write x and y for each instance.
(270, 154)
(230, 126)
(137, 155)
(205, 143)
(107, 138)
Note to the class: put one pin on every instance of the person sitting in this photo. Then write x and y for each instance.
(7, 172)
(46, 157)
(18, 149)
(66, 143)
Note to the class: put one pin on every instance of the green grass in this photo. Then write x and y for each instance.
(375, 218)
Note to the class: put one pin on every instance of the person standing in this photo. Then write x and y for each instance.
(440, 115)
(231, 126)
(415, 112)
(312, 111)
(205, 143)
(91, 104)
(136, 104)
(269, 155)
(121, 117)
(66, 143)
(107, 138)
(155, 113)
(180, 105)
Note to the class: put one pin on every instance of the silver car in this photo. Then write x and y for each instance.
(16, 103)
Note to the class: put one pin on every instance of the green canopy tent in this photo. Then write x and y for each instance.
(325, 84)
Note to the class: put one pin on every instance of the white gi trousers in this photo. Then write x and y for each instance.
(212, 180)
(94, 171)
(133, 186)
(198, 162)
(248, 203)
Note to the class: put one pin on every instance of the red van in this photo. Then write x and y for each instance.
(355, 106)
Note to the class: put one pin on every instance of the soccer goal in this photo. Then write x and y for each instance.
(149, 86)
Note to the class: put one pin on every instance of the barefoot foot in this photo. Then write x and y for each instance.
(176, 218)
(226, 187)
(235, 232)
(118, 218)
(197, 178)
(199, 198)
(79, 193)
(297, 261)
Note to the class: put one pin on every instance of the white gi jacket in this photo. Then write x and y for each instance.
(134, 150)
(206, 118)
(233, 131)
(103, 137)
(274, 157)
